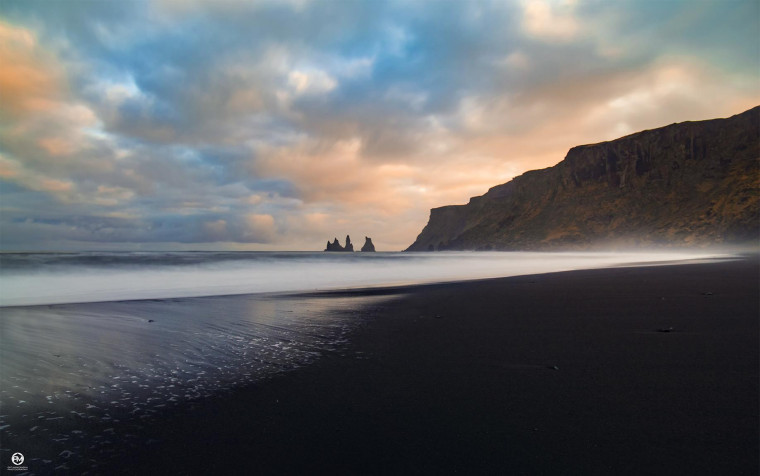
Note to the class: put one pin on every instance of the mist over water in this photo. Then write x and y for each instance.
(54, 278)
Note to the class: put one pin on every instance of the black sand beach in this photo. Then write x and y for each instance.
(642, 370)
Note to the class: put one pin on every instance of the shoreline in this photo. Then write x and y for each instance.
(84, 280)
(633, 370)
(400, 289)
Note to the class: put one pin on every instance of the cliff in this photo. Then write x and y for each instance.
(686, 184)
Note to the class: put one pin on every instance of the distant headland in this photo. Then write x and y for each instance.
(686, 184)
(336, 246)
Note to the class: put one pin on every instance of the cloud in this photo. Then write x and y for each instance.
(311, 82)
(550, 20)
(260, 228)
(30, 80)
(268, 125)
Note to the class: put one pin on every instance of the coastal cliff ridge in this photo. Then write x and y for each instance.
(685, 184)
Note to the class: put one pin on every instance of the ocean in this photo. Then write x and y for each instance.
(56, 278)
(94, 345)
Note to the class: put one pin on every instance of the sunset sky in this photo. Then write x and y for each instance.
(179, 124)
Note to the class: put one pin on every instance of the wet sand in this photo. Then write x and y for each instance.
(641, 370)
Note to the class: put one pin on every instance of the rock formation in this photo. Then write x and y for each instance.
(692, 183)
(368, 246)
(335, 245)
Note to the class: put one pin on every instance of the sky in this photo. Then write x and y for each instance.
(279, 125)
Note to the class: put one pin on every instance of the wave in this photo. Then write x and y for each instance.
(56, 278)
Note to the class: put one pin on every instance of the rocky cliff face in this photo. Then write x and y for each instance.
(692, 183)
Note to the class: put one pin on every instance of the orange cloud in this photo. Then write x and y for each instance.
(259, 227)
(54, 185)
(57, 146)
(30, 79)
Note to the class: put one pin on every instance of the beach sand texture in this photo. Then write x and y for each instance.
(641, 370)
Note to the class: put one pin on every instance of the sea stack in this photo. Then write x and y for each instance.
(368, 246)
(334, 246)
